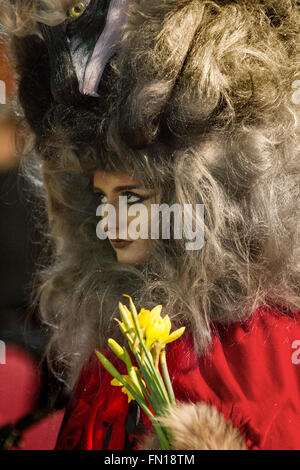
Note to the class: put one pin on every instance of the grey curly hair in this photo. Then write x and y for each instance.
(197, 104)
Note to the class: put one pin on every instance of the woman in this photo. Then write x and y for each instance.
(191, 101)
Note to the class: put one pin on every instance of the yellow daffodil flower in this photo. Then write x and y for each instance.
(158, 329)
(127, 323)
(116, 383)
(143, 318)
(155, 329)
(175, 335)
(148, 316)
(116, 348)
(147, 334)
(128, 380)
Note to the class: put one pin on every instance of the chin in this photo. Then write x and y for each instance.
(133, 260)
(137, 253)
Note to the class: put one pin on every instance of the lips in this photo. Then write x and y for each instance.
(119, 243)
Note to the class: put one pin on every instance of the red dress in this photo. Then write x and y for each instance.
(251, 374)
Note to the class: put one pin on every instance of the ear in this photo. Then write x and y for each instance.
(32, 66)
(156, 44)
(197, 426)
(199, 67)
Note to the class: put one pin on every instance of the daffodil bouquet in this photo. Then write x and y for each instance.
(147, 334)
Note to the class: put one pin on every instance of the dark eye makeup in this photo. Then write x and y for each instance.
(132, 197)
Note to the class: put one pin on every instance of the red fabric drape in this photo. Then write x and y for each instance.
(250, 374)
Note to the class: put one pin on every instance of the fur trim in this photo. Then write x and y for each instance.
(20, 17)
(198, 104)
(197, 427)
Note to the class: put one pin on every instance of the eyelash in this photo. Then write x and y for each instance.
(126, 193)
(71, 12)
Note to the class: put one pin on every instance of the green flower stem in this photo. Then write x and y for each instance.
(157, 394)
(160, 383)
(131, 370)
(164, 368)
(113, 371)
(162, 433)
(125, 318)
(134, 379)
(156, 382)
(165, 444)
(140, 399)
(144, 389)
(147, 353)
(125, 332)
(127, 359)
(156, 401)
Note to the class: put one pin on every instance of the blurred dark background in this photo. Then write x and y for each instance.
(29, 392)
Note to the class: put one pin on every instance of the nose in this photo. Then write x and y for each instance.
(110, 219)
(121, 218)
(115, 212)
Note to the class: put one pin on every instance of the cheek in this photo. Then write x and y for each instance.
(137, 252)
(144, 218)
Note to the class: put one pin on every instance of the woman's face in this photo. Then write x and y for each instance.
(109, 187)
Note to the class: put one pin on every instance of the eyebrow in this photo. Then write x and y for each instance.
(119, 188)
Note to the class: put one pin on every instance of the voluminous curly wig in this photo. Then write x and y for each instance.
(197, 102)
